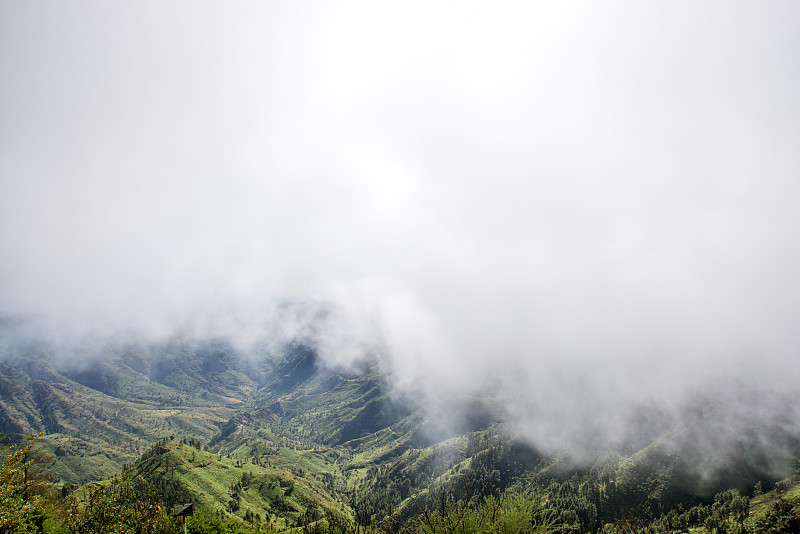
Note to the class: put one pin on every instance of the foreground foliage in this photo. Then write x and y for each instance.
(126, 505)
(22, 506)
(507, 514)
(473, 491)
(120, 506)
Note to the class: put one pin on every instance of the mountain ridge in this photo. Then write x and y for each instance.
(343, 438)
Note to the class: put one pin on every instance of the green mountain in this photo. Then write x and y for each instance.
(275, 436)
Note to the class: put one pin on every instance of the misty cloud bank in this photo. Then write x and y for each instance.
(583, 209)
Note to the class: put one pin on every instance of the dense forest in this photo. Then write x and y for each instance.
(277, 442)
(493, 494)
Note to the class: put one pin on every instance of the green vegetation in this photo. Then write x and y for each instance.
(22, 497)
(283, 499)
(283, 445)
(512, 514)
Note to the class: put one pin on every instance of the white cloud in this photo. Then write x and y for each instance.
(611, 187)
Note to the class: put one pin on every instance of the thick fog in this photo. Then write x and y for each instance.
(588, 208)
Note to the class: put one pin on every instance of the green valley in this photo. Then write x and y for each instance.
(277, 441)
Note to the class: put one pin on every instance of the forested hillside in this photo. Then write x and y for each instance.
(278, 441)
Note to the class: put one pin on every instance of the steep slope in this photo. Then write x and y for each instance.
(102, 404)
(342, 439)
(281, 483)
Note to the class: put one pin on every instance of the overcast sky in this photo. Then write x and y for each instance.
(534, 186)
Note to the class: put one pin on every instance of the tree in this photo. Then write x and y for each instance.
(729, 511)
(34, 461)
(781, 518)
(507, 514)
(22, 485)
(120, 506)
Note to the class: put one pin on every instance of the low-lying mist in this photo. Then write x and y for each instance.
(710, 410)
(587, 215)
